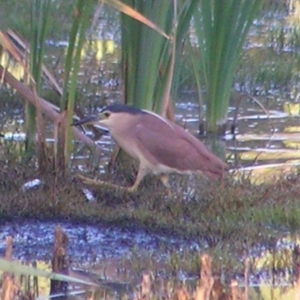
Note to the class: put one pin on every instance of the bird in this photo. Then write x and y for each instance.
(159, 145)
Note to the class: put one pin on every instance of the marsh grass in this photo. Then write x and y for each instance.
(229, 216)
(21, 280)
(221, 47)
(231, 220)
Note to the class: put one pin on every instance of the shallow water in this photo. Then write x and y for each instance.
(34, 240)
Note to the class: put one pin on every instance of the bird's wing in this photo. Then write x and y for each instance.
(176, 150)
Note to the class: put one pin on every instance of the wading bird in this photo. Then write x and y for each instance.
(160, 146)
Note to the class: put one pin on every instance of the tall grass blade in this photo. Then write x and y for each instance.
(149, 60)
(17, 268)
(221, 29)
(167, 90)
(151, 64)
(172, 57)
(77, 36)
(40, 12)
(126, 9)
(143, 50)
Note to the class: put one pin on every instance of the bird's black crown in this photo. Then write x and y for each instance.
(119, 108)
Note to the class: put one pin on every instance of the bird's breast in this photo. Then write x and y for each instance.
(127, 144)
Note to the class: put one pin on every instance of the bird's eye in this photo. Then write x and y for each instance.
(106, 114)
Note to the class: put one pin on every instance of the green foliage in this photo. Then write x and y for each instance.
(40, 13)
(77, 38)
(221, 28)
(142, 49)
(17, 268)
(16, 15)
(39, 21)
(146, 55)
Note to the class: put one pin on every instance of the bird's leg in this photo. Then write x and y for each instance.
(91, 181)
(165, 180)
(97, 182)
(141, 174)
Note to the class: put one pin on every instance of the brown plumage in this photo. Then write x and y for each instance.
(185, 153)
(160, 146)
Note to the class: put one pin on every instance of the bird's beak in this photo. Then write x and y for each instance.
(91, 120)
(87, 120)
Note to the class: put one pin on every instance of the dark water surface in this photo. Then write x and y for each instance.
(34, 240)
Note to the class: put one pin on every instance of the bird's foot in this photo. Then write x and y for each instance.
(97, 182)
(91, 181)
(131, 189)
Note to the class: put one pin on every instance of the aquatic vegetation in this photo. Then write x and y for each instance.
(220, 50)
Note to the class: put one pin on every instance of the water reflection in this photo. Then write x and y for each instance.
(103, 250)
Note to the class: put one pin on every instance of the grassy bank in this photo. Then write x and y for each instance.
(229, 216)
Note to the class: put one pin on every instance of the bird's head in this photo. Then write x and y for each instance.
(110, 115)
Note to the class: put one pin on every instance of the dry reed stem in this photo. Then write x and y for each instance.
(113, 158)
(60, 263)
(235, 291)
(42, 150)
(146, 286)
(218, 291)
(164, 289)
(145, 290)
(182, 294)
(203, 291)
(60, 125)
(297, 286)
(168, 289)
(246, 275)
(47, 108)
(9, 247)
(9, 288)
